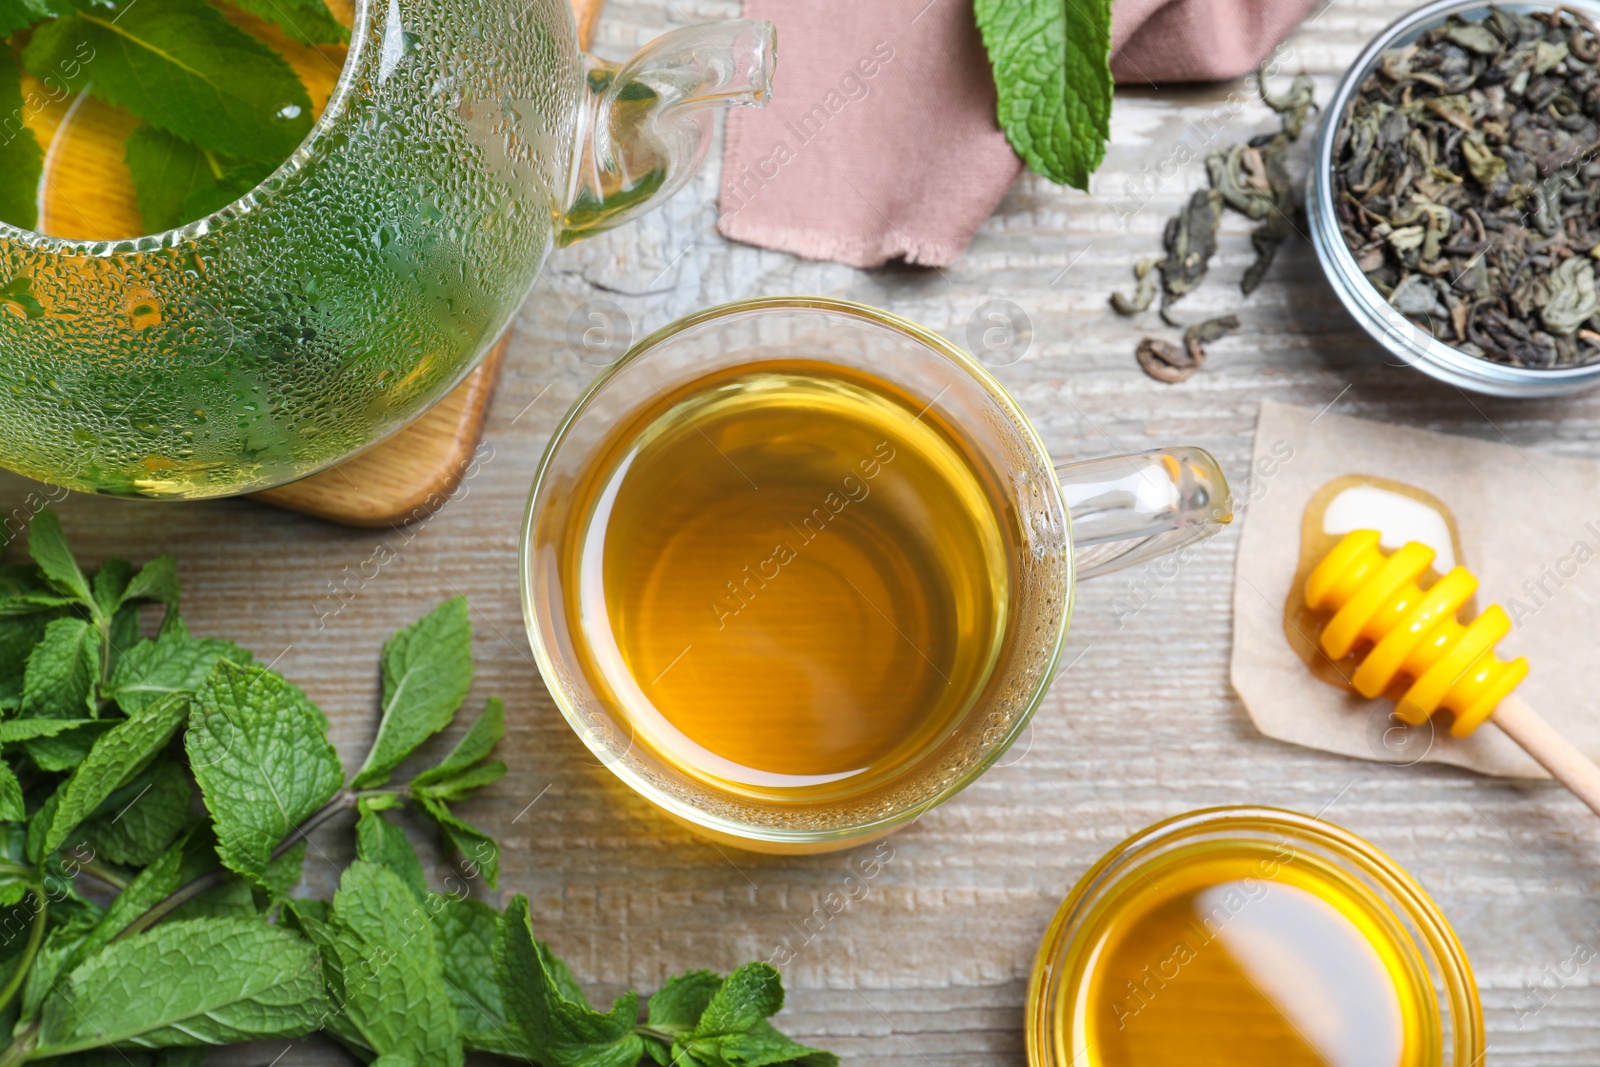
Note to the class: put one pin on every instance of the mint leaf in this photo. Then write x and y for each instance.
(173, 662)
(732, 1028)
(382, 842)
(237, 180)
(760, 1046)
(262, 757)
(180, 65)
(19, 15)
(60, 947)
(202, 981)
(679, 1003)
(1052, 73)
(156, 580)
(562, 1032)
(166, 170)
(11, 807)
(47, 544)
(21, 160)
(307, 21)
(427, 669)
(12, 607)
(463, 783)
(115, 758)
(138, 822)
(152, 885)
(749, 995)
(474, 745)
(466, 931)
(108, 583)
(18, 637)
(388, 968)
(475, 846)
(178, 182)
(62, 671)
(64, 751)
(26, 729)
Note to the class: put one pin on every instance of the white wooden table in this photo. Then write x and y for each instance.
(931, 968)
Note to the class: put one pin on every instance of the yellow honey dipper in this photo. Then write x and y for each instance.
(1375, 599)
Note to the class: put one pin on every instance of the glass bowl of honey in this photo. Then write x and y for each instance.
(1246, 935)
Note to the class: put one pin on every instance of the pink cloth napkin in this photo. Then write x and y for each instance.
(881, 142)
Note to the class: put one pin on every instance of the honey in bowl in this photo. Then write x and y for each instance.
(790, 578)
(1250, 936)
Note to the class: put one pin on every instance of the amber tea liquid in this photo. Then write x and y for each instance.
(789, 580)
(1239, 954)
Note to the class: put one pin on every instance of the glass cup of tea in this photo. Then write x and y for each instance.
(798, 570)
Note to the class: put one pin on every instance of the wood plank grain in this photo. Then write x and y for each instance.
(931, 967)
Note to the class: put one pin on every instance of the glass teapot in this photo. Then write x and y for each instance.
(371, 272)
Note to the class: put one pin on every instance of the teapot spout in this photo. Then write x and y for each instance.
(648, 121)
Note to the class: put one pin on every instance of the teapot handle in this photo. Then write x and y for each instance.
(647, 122)
(1127, 509)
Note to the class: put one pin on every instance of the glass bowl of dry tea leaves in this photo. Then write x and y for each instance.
(1454, 194)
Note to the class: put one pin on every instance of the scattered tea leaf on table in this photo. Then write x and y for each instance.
(180, 65)
(21, 160)
(260, 751)
(210, 980)
(1052, 73)
(427, 670)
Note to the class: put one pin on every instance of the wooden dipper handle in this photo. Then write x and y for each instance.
(1554, 752)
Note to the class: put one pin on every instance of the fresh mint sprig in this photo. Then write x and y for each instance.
(220, 108)
(1052, 74)
(193, 939)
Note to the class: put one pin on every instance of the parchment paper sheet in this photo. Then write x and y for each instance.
(1523, 517)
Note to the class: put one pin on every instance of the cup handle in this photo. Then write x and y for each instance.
(1127, 509)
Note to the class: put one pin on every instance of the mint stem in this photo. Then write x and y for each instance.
(30, 950)
(103, 874)
(344, 801)
(655, 1035)
(21, 1045)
